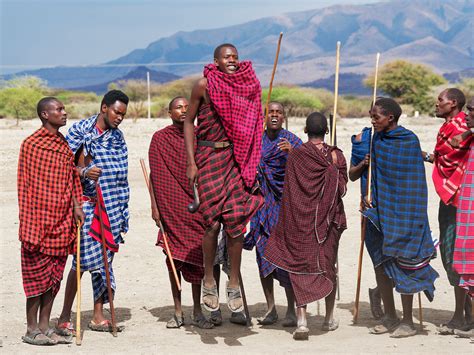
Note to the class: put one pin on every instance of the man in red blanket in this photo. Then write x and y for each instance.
(229, 139)
(449, 165)
(172, 194)
(49, 191)
(305, 241)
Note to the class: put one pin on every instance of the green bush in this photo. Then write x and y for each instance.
(296, 101)
(19, 103)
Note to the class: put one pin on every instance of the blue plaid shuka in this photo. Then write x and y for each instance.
(109, 152)
(359, 151)
(271, 174)
(399, 235)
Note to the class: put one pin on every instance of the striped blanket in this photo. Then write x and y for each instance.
(108, 151)
(399, 236)
(463, 262)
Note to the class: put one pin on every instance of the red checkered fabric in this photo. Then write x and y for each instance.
(450, 162)
(41, 272)
(47, 181)
(191, 273)
(224, 197)
(237, 100)
(311, 220)
(96, 228)
(173, 194)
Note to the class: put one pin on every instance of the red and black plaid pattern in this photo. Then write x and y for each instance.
(47, 182)
(450, 162)
(191, 273)
(167, 157)
(96, 228)
(224, 197)
(40, 272)
(237, 100)
(311, 220)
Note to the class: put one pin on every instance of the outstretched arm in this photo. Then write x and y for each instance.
(355, 172)
(197, 95)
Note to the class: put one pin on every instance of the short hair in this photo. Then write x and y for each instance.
(316, 124)
(112, 96)
(389, 107)
(217, 51)
(43, 104)
(170, 105)
(458, 95)
(278, 103)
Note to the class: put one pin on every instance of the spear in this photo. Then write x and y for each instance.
(336, 93)
(78, 291)
(363, 218)
(160, 225)
(271, 80)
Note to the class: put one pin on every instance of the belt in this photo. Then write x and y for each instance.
(215, 145)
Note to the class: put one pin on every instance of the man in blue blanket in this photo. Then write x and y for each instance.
(276, 143)
(398, 236)
(102, 160)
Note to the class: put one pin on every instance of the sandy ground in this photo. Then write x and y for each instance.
(143, 300)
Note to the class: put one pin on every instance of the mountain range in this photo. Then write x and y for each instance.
(437, 33)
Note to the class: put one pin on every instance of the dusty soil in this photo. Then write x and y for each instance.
(143, 299)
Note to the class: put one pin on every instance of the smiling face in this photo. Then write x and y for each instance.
(55, 114)
(228, 60)
(381, 122)
(178, 110)
(114, 114)
(275, 117)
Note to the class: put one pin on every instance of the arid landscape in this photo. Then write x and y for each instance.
(143, 300)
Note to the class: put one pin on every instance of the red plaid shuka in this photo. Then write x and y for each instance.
(450, 162)
(96, 228)
(224, 197)
(41, 272)
(305, 240)
(237, 100)
(47, 182)
(173, 194)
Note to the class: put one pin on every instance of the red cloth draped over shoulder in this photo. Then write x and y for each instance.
(237, 100)
(47, 182)
(450, 162)
(185, 230)
(311, 205)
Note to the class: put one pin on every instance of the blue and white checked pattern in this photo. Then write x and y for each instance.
(109, 152)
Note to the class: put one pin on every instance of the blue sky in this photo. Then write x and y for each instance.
(84, 32)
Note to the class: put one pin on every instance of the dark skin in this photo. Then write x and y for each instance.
(274, 123)
(227, 62)
(456, 140)
(109, 117)
(53, 118)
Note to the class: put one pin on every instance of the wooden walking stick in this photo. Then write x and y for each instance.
(78, 291)
(160, 225)
(107, 273)
(244, 301)
(336, 93)
(369, 198)
(420, 311)
(270, 87)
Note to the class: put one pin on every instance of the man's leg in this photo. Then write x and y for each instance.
(302, 331)
(198, 318)
(406, 327)
(32, 308)
(271, 315)
(329, 322)
(177, 320)
(290, 317)
(209, 246)
(69, 295)
(45, 310)
(234, 246)
(390, 320)
(458, 319)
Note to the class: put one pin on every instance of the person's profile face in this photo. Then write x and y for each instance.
(228, 60)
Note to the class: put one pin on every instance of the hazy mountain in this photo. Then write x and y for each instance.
(437, 33)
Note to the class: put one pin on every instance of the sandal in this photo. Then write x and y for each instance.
(333, 324)
(404, 331)
(59, 339)
(216, 317)
(175, 322)
(233, 294)
(301, 333)
(388, 325)
(201, 322)
(238, 318)
(65, 329)
(104, 326)
(268, 319)
(375, 303)
(209, 292)
(449, 328)
(34, 338)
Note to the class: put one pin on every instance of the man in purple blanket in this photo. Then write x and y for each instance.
(276, 143)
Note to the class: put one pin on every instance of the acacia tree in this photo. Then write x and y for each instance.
(410, 83)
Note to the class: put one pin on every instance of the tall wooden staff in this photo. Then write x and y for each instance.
(336, 93)
(364, 219)
(107, 273)
(160, 225)
(271, 80)
(78, 292)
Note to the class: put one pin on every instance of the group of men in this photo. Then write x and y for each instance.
(289, 191)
